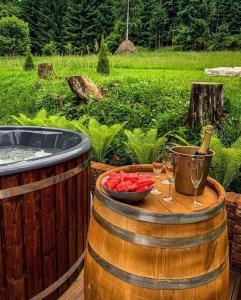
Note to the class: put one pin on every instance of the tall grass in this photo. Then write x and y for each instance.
(19, 90)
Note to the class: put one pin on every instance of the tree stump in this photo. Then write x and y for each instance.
(45, 70)
(83, 87)
(206, 104)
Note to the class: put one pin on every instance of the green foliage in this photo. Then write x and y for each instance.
(101, 137)
(192, 37)
(28, 64)
(103, 61)
(14, 36)
(226, 163)
(9, 10)
(158, 22)
(68, 48)
(190, 25)
(220, 39)
(49, 24)
(142, 144)
(42, 119)
(50, 49)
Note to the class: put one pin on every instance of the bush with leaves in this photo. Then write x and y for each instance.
(142, 144)
(14, 36)
(101, 136)
(42, 119)
(28, 64)
(226, 164)
(103, 61)
(50, 49)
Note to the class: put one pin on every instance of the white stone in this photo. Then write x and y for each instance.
(230, 72)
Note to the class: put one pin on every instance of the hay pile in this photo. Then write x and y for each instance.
(126, 47)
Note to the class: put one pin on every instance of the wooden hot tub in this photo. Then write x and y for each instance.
(44, 207)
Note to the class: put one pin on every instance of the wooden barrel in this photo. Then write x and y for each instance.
(155, 250)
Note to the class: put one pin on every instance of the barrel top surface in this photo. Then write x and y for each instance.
(212, 198)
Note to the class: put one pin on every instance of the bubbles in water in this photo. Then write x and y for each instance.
(21, 153)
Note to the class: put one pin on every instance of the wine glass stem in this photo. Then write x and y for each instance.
(169, 193)
(195, 196)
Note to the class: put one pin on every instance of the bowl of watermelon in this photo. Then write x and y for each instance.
(127, 187)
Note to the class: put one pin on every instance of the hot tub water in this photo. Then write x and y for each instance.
(22, 153)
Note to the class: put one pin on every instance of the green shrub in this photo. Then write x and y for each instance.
(192, 37)
(28, 64)
(101, 137)
(9, 10)
(42, 119)
(14, 36)
(142, 144)
(68, 49)
(226, 163)
(220, 40)
(50, 49)
(103, 61)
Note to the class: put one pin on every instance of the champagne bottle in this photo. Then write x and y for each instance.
(204, 148)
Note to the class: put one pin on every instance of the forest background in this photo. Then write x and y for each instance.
(76, 26)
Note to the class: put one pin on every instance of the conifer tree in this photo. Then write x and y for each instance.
(103, 61)
(30, 14)
(158, 22)
(49, 22)
(73, 25)
(28, 64)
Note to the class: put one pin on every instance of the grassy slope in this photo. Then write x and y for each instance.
(20, 89)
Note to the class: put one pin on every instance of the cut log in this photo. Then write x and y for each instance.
(83, 87)
(206, 104)
(45, 70)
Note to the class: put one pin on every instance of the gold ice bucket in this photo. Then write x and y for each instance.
(183, 183)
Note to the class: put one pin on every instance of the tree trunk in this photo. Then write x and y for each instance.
(206, 104)
(45, 70)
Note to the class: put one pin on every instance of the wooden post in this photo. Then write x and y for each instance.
(45, 70)
(128, 20)
(206, 104)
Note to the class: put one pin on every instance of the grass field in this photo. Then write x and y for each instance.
(168, 71)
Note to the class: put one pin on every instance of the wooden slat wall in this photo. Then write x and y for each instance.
(80, 211)
(72, 210)
(13, 233)
(2, 255)
(62, 228)
(43, 232)
(48, 233)
(31, 209)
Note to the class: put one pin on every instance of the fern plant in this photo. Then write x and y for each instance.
(142, 144)
(41, 119)
(226, 163)
(101, 136)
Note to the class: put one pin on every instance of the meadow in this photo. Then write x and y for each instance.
(146, 90)
(166, 70)
(155, 85)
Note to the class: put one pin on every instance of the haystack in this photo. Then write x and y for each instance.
(126, 47)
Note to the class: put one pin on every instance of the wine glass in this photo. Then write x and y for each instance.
(196, 168)
(171, 164)
(157, 169)
(165, 159)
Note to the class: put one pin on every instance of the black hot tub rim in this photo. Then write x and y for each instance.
(71, 144)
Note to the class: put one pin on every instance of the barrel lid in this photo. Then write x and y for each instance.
(153, 209)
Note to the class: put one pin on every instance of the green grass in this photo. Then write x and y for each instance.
(168, 70)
